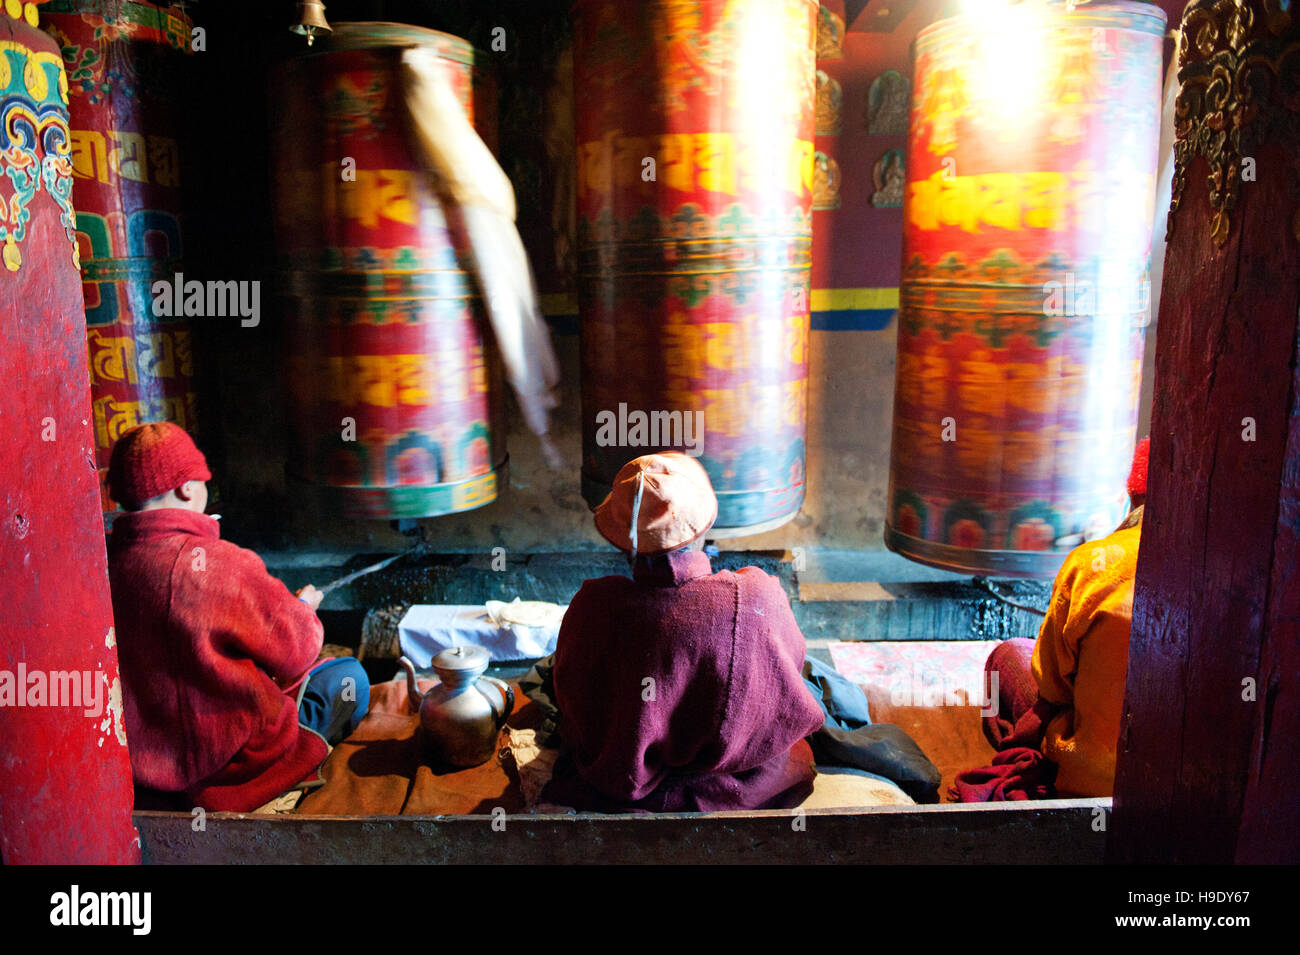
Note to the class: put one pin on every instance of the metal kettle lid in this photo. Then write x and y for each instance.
(460, 659)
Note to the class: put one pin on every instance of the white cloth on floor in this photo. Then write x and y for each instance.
(841, 787)
(428, 629)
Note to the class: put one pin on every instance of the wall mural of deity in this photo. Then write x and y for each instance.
(830, 99)
(887, 104)
(826, 182)
(830, 34)
(888, 174)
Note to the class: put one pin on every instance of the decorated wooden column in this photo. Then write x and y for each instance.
(1209, 755)
(65, 777)
(126, 93)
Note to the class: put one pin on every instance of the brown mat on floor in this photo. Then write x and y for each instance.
(952, 736)
(380, 769)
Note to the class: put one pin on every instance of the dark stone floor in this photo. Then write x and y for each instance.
(836, 595)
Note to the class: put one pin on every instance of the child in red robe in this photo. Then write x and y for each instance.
(215, 654)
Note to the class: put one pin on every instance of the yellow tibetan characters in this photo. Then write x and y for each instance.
(1028, 200)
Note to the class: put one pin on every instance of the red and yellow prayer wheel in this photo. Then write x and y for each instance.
(695, 161)
(124, 88)
(394, 381)
(1031, 168)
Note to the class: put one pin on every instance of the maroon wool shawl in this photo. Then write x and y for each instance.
(1019, 770)
(211, 649)
(729, 713)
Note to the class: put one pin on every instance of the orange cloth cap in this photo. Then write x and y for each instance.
(677, 504)
(152, 459)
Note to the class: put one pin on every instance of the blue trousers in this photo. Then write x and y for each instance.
(335, 699)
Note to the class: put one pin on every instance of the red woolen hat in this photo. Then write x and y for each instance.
(152, 459)
(666, 500)
(1137, 477)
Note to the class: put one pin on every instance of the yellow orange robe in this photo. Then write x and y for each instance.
(1081, 659)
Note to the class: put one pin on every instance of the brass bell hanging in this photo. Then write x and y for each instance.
(311, 20)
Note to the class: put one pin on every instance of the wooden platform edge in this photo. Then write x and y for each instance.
(1058, 831)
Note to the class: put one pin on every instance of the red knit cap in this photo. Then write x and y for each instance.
(152, 459)
(1137, 477)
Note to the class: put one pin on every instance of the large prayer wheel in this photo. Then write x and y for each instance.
(1031, 169)
(124, 89)
(394, 381)
(695, 161)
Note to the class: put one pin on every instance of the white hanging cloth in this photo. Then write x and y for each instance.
(481, 207)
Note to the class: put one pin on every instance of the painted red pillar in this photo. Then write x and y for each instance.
(1209, 754)
(65, 777)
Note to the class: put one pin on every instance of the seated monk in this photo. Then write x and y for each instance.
(227, 705)
(1062, 697)
(680, 688)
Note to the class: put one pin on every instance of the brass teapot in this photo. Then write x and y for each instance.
(460, 717)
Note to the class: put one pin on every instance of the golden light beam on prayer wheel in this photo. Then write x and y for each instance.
(1031, 167)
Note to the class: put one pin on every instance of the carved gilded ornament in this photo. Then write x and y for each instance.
(34, 150)
(1239, 72)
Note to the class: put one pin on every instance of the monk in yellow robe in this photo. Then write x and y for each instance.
(1062, 696)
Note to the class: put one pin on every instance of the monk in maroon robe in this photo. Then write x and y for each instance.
(680, 688)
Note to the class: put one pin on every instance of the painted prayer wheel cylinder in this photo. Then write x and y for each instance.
(1031, 168)
(123, 61)
(394, 380)
(695, 161)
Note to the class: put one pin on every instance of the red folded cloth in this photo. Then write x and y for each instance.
(1016, 773)
(1008, 674)
(1019, 770)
